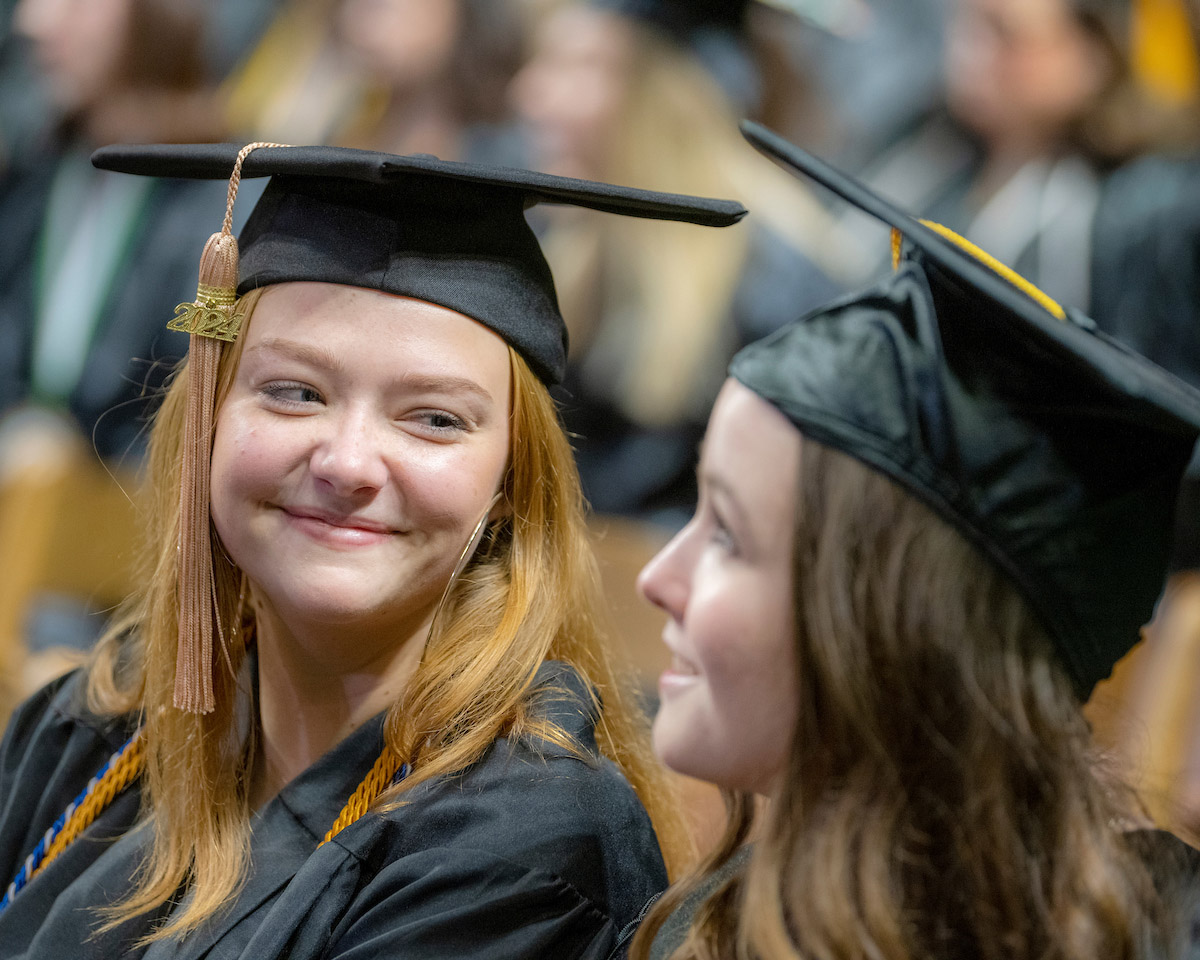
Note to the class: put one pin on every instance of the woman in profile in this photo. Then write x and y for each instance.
(361, 704)
(932, 516)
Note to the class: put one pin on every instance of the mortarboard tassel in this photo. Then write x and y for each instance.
(211, 322)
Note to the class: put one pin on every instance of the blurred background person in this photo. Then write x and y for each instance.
(650, 94)
(297, 84)
(1047, 90)
(402, 76)
(873, 68)
(85, 261)
(1040, 104)
(90, 266)
(23, 107)
(438, 72)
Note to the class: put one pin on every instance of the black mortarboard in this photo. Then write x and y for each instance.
(683, 18)
(714, 31)
(451, 233)
(1052, 447)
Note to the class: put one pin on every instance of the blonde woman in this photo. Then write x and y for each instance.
(931, 517)
(618, 91)
(361, 704)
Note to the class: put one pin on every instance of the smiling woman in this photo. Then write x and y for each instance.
(362, 439)
(728, 701)
(377, 715)
(932, 516)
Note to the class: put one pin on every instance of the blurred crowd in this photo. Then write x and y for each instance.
(1063, 136)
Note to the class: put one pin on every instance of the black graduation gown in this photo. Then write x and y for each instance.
(1146, 261)
(1146, 289)
(531, 852)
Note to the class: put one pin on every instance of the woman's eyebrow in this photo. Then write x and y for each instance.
(444, 383)
(324, 358)
(311, 354)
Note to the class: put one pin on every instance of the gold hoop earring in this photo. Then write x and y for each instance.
(464, 558)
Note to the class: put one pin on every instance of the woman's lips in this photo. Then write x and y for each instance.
(682, 673)
(337, 531)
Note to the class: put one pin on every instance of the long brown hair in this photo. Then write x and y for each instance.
(530, 594)
(941, 799)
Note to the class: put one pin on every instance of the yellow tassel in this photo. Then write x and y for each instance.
(1039, 296)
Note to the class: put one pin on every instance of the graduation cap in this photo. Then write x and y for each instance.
(686, 20)
(452, 234)
(714, 32)
(1053, 448)
(683, 18)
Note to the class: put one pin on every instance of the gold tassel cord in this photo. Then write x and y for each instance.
(373, 784)
(124, 767)
(211, 322)
(1008, 273)
(1039, 296)
(194, 660)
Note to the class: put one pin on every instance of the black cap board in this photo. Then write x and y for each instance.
(683, 18)
(451, 233)
(1052, 447)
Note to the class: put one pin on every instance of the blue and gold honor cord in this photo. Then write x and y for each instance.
(126, 765)
(121, 769)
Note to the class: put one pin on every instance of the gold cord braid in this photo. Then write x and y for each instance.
(373, 784)
(122, 773)
(128, 766)
(235, 180)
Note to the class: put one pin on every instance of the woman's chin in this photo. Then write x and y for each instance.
(675, 743)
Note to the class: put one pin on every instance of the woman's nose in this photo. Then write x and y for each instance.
(350, 457)
(665, 581)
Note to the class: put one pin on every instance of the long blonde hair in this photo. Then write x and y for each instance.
(941, 798)
(531, 593)
(650, 301)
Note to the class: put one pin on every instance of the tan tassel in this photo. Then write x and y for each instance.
(211, 322)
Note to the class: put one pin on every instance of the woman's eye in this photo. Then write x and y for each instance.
(722, 536)
(710, 522)
(439, 421)
(719, 533)
(290, 394)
